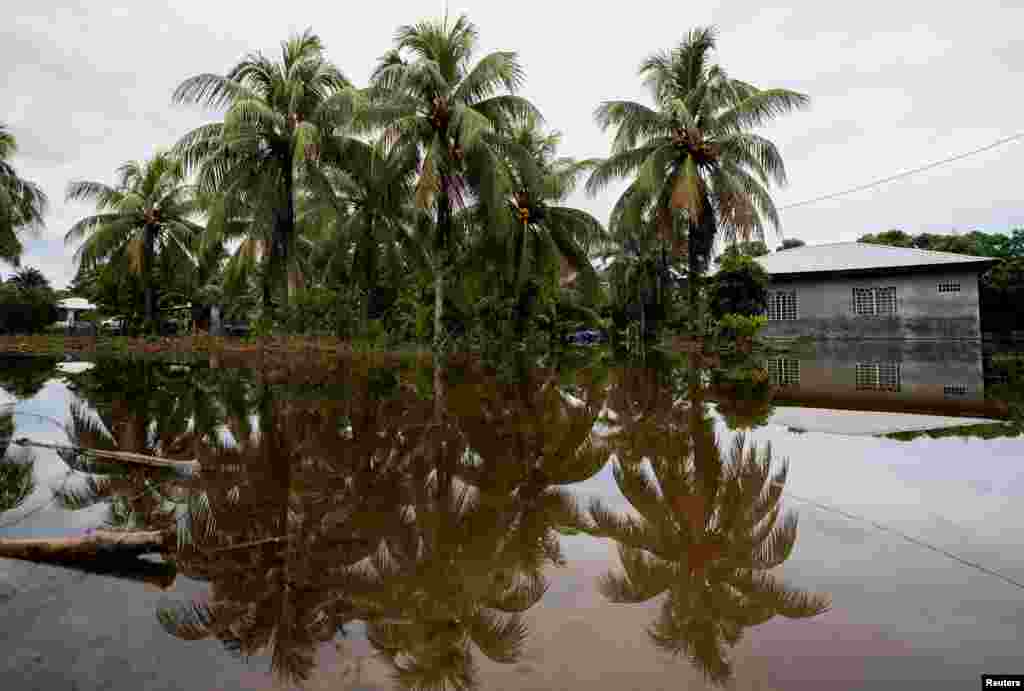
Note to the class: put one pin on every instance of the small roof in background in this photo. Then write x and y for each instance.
(858, 256)
(76, 304)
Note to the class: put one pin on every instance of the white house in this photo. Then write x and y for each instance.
(70, 309)
(862, 291)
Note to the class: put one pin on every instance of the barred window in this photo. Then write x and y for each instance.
(783, 371)
(873, 301)
(878, 376)
(782, 305)
(954, 390)
(949, 287)
(885, 300)
(863, 301)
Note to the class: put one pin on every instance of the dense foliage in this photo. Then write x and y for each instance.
(22, 202)
(27, 303)
(739, 287)
(431, 204)
(1002, 287)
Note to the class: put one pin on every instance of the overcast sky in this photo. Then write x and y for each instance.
(87, 86)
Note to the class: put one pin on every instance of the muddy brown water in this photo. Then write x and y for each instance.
(570, 522)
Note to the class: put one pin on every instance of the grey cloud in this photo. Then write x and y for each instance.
(894, 85)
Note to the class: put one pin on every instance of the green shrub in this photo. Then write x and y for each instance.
(741, 325)
(740, 287)
(26, 310)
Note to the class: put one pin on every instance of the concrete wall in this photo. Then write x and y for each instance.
(826, 308)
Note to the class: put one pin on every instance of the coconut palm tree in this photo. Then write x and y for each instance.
(364, 218)
(148, 214)
(546, 238)
(430, 97)
(708, 532)
(278, 126)
(693, 154)
(638, 258)
(23, 204)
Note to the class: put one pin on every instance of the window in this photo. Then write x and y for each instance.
(949, 287)
(863, 301)
(952, 390)
(783, 371)
(874, 301)
(885, 300)
(782, 305)
(878, 376)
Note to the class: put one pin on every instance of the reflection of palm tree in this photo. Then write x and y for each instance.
(6, 431)
(457, 578)
(294, 504)
(25, 376)
(530, 430)
(17, 481)
(478, 526)
(707, 534)
(141, 408)
(744, 394)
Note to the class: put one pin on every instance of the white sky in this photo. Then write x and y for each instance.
(87, 86)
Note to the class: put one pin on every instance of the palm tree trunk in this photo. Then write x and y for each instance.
(643, 313)
(438, 300)
(369, 264)
(266, 284)
(288, 229)
(444, 228)
(149, 240)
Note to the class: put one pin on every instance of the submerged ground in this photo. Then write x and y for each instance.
(573, 522)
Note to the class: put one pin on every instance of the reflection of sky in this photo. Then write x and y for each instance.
(857, 422)
(913, 613)
(53, 404)
(961, 495)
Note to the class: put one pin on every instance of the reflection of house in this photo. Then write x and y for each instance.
(860, 291)
(69, 310)
(897, 377)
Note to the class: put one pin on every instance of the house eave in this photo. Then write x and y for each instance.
(980, 266)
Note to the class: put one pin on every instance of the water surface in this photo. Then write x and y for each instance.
(846, 515)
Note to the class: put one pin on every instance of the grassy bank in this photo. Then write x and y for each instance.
(180, 346)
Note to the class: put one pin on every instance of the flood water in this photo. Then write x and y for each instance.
(846, 514)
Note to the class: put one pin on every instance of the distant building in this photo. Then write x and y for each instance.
(857, 290)
(70, 309)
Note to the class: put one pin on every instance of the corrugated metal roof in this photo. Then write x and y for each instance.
(76, 304)
(857, 256)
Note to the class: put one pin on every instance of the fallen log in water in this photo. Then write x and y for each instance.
(120, 456)
(158, 574)
(100, 544)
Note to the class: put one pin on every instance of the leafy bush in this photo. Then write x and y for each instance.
(28, 310)
(321, 311)
(741, 325)
(1002, 290)
(740, 287)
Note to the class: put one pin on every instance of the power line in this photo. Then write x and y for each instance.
(909, 538)
(882, 181)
